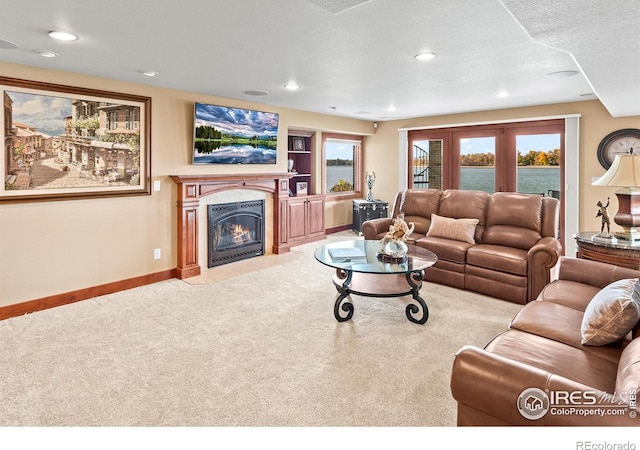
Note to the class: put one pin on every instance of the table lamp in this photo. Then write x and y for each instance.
(625, 173)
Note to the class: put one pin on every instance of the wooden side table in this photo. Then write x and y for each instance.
(615, 251)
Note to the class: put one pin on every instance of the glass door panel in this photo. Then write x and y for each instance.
(539, 159)
(426, 164)
(478, 163)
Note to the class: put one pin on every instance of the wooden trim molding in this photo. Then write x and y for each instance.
(339, 228)
(191, 188)
(52, 301)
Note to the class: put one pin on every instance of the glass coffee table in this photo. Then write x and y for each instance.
(359, 271)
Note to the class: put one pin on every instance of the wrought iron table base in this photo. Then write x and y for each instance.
(343, 283)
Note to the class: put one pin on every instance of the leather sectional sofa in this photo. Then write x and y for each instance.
(502, 244)
(539, 371)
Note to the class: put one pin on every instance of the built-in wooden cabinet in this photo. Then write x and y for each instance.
(304, 208)
(305, 219)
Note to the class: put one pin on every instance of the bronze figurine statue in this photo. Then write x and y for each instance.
(604, 215)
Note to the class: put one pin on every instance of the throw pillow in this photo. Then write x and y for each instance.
(611, 313)
(456, 229)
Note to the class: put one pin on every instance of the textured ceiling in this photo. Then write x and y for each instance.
(603, 38)
(350, 58)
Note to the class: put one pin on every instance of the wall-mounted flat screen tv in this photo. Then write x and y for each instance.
(225, 135)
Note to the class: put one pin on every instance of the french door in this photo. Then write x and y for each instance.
(523, 157)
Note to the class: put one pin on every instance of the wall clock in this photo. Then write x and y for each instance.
(619, 142)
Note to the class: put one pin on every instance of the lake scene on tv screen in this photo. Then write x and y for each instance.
(225, 135)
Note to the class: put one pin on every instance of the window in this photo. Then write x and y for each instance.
(342, 156)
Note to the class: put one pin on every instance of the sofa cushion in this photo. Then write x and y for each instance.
(456, 229)
(510, 236)
(572, 294)
(612, 312)
(542, 319)
(556, 357)
(513, 220)
(417, 205)
(498, 257)
(465, 204)
(446, 249)
(629, 368)
(420, 224)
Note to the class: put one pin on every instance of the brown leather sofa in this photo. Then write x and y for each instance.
(585, 385)
(512, 250)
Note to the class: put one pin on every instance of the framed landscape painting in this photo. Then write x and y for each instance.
(63, 142)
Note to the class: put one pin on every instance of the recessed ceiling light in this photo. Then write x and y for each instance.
(425, 56)
(63, 36)
(256, 93)
(47, 53)
(391, 108)
(291, 86)
(563, 74)
(150, 73)
(502, 94)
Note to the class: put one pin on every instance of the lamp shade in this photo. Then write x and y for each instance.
(624, 172)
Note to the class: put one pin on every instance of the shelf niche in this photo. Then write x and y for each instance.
(300, 151)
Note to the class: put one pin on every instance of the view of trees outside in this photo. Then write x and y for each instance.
(530, 158)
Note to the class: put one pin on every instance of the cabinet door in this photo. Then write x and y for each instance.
(297, 219)
(315, 209)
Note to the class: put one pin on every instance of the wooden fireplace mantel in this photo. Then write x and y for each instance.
(191, 188)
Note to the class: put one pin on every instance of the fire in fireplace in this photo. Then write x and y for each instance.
(236, 231)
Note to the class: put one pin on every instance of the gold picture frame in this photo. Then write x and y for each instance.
(63, 142)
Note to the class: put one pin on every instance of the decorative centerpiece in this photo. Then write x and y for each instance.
(393, 247)
(370, 180)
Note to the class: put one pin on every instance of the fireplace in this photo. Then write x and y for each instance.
(192, 189)
(235, 231)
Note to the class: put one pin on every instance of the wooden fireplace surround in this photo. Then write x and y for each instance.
(191, 188)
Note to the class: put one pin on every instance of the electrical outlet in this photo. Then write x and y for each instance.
(157, 254)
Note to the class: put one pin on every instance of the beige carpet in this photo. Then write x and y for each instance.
(258, 349)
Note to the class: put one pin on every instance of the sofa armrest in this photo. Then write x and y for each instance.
(492, 384)
(371, 228)
(593, 273)
(541, 258)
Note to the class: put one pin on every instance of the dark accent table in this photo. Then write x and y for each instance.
(364, 210)
(369, 277)
(614, 251)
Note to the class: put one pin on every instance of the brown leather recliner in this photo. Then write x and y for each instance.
(541, 354)
(515, 241)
